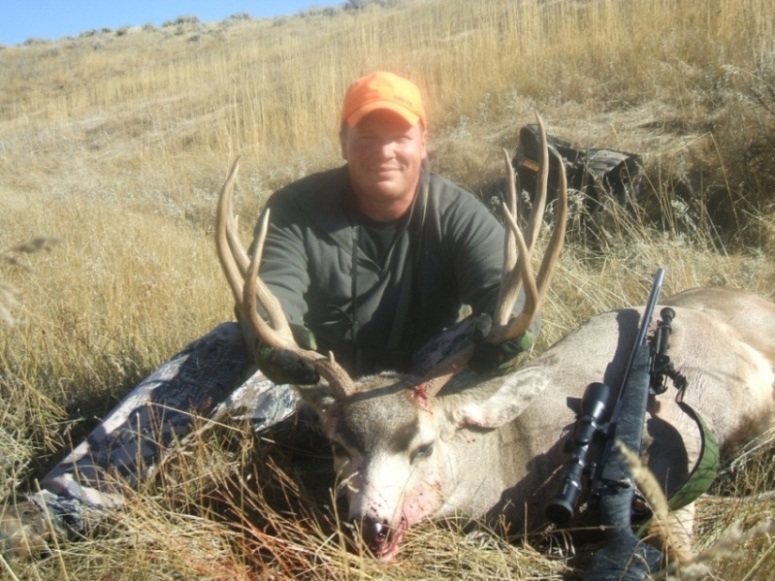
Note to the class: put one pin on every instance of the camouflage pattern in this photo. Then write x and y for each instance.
(211, 379)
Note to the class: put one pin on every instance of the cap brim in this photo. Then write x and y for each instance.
(405, 114)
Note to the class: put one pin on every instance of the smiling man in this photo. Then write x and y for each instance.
(384, 143)
(377, 256)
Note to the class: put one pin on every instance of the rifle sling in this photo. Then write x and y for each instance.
(702, 475)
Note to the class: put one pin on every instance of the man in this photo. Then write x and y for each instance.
(370, 260)
(378, 256)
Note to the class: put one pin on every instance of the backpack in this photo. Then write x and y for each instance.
(598, 174)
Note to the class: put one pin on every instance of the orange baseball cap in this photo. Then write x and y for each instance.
(383, 90)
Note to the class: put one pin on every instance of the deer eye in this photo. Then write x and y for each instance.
(422, 452)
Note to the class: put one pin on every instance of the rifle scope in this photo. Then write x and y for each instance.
(593, 406)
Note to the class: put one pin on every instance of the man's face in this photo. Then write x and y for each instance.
(385, 156)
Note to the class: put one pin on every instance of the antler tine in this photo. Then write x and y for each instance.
(517, 271)
(279, 334)
(520, 273)
(234, 274)
(557, 241)
(234, 259)
(282, 337)
(241, 257)
(539, 202)
(516, 267)
(228, 223)
(249, 290)
(510, 255)
(535, 296)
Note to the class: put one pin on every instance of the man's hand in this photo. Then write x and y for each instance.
(282, 366)
(495, 357)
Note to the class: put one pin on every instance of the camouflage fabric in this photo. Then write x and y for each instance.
(212, 378)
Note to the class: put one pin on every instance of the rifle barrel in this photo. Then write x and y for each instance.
(643, 329)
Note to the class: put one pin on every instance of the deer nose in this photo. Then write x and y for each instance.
(374, 533)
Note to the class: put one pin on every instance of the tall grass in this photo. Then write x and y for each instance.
(115, 144)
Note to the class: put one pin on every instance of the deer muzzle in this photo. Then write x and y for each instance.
(380, 538)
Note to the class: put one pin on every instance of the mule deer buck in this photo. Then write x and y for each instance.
(452, 444)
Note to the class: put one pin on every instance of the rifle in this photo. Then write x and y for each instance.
(624, 557)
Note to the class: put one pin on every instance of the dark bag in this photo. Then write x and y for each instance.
(597, 174)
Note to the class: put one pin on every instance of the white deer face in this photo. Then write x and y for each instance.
(390, 460)
(401, 456)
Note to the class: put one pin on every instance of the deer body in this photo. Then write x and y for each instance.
(495, 447)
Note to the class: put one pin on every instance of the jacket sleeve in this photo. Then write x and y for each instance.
(284, 262)
(479, 248)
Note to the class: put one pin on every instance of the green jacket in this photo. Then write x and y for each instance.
(374, 295)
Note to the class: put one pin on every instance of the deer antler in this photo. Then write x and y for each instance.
(516, 266)
(249, 290)
(536, 288)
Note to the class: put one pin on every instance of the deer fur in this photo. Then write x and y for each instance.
(494, 448)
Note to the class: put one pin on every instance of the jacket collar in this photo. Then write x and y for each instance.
(328, 212)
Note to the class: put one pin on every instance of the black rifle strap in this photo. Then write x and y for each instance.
(415, 227)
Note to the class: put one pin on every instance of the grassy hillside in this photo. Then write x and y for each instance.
(113, 144)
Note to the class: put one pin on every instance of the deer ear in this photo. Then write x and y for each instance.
(491, 408)
(319, 397)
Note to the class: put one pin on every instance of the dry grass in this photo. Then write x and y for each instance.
(114, 144)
